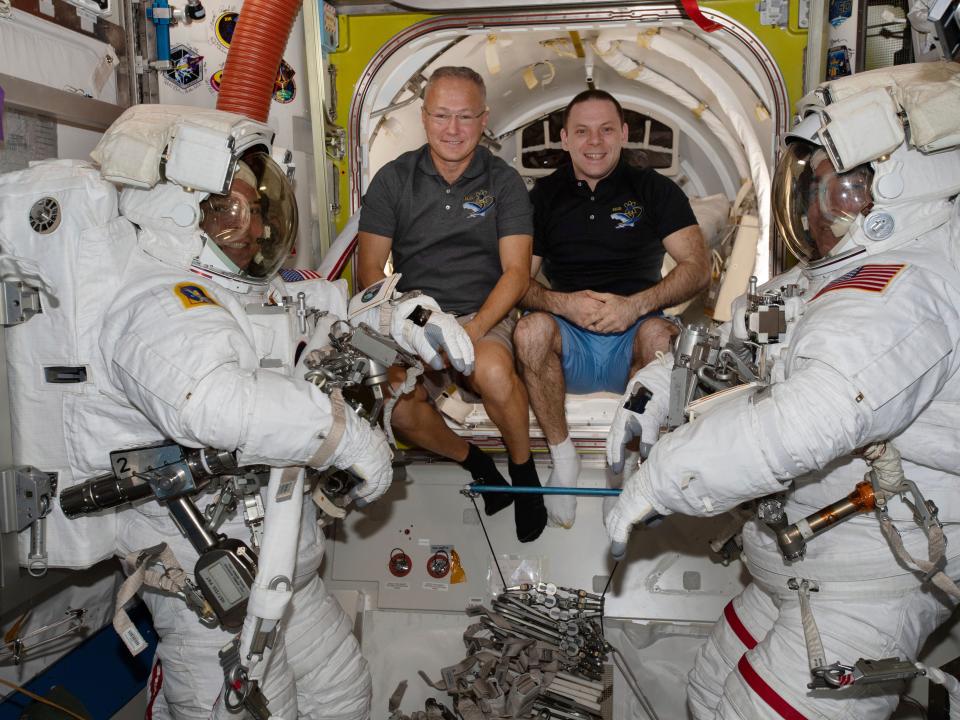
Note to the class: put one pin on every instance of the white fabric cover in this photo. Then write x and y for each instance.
(35, 49)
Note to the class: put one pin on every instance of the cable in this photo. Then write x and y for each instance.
(489, 544)
(604, 593)
(915, 703)
(39, 699)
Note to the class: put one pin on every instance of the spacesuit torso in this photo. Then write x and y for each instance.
(884, 327)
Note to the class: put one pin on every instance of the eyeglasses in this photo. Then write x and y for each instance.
(441, 119)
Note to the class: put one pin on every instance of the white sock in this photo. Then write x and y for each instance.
(562, 509)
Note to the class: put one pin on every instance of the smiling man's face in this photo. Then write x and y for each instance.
(454, 117)
(594, 137)
(235, 222)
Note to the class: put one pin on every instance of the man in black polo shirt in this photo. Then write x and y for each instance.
(601, 228)
(459, 223)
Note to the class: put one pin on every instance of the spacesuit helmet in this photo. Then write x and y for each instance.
(249, 230)
(204, 189)
(814, 205)
(873, 162)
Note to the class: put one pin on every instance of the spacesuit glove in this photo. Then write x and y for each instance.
(441, 332)
(631, 507)
(364, 451)
(628, 424)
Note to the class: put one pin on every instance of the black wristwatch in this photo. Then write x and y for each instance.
(420, 315)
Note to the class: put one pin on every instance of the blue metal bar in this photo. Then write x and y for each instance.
(591, 492)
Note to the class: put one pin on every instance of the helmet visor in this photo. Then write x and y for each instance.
(254, 225)
(813, 205)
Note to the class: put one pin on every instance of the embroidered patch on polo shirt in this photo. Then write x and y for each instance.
(866, 278)
(478, 203)
(628, 215)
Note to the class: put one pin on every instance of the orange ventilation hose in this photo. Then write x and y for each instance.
(254, 57)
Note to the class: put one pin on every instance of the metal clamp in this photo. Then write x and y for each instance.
(239, 691)
(18, 646)
(18, 302)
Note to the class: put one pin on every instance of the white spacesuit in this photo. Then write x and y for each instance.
(198, 343)
(872, 357)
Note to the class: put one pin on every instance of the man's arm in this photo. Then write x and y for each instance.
(577, 307)
(690, 276)
(515, 253)
(374, 250)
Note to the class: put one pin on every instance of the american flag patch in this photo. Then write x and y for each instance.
(288, 275)
(869, 278)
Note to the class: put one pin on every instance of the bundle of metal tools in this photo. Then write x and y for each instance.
(538, 652)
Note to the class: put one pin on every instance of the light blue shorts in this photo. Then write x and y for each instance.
(592, 361)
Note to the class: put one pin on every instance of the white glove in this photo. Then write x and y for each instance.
(364, 451)
(442, 331)
(631, 507)
(627, 425)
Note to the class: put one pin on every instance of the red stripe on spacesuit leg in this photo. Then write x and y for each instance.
(156, 682)
(738, 627)
(767, 693)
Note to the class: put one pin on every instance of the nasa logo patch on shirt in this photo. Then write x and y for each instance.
(192, 295)
(628, 215)
(872, 278)
(478, 203)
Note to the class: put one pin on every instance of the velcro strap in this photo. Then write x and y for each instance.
(936, 549)
(386, 318)
(172, 579)
(321, 458)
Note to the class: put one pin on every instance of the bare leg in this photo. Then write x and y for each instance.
(504, 397)
(539, 350)
(505, 400)
(418, 421)
(653, 336)
(537, 339)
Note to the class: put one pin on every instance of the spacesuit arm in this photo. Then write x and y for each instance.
(393, 313)
(194, 375)
(752, 446)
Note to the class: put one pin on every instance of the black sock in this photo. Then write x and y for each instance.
(528, 510)
(483, 470)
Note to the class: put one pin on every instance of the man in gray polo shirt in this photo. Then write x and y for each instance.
(460, 226)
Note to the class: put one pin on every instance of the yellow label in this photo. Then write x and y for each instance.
(457, 573)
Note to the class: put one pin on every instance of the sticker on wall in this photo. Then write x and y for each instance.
(215, 80)
(223, 26)
(284, 87)
(186, 72)
(838, 62)
(840, 11)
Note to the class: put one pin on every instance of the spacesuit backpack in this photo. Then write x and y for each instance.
(64, 247)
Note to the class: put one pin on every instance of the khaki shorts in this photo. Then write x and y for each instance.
(502, 332)
(439, 383)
